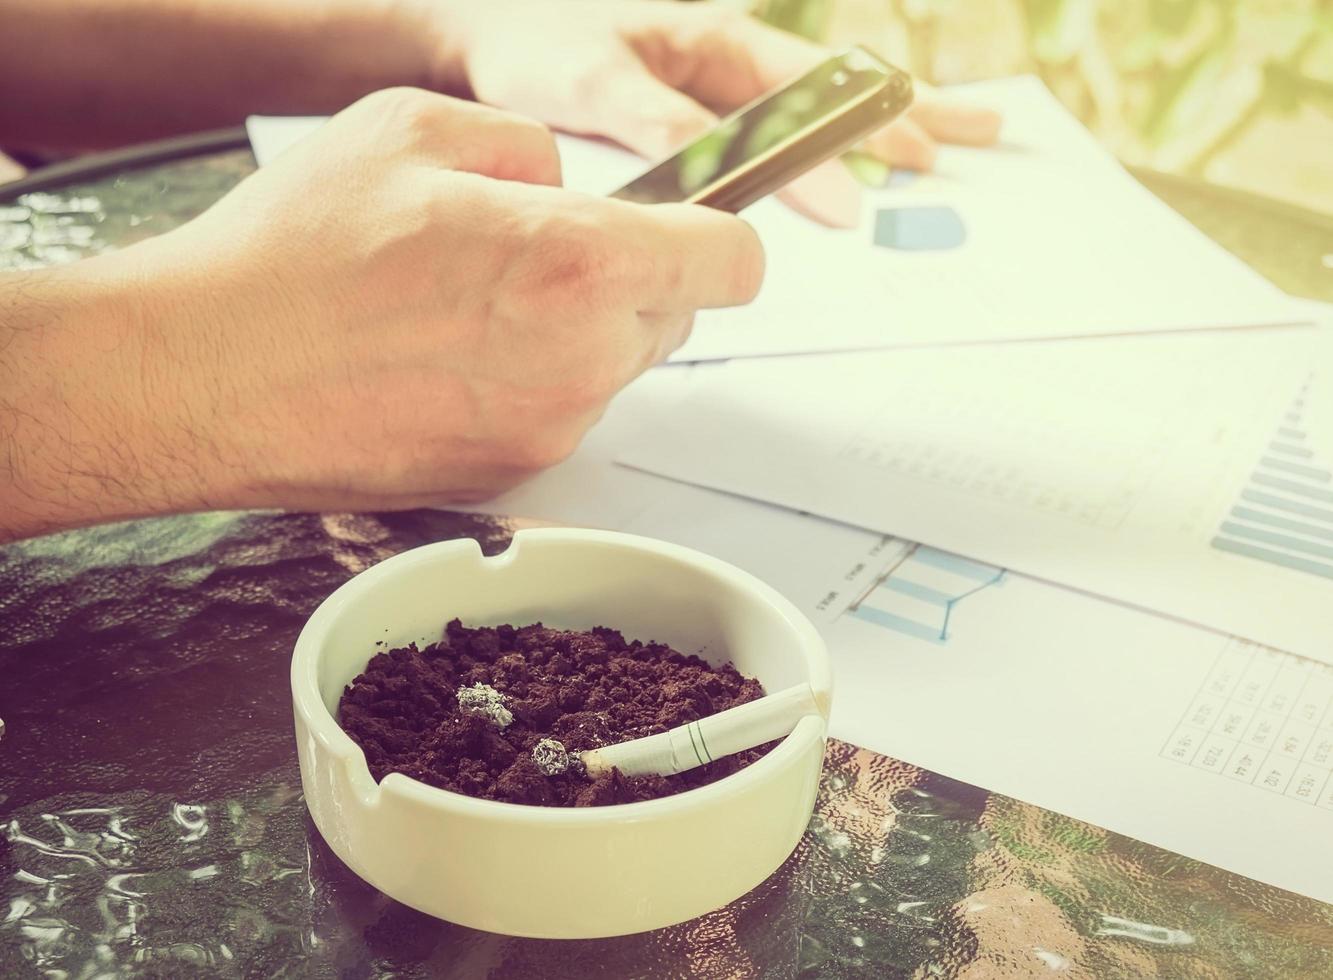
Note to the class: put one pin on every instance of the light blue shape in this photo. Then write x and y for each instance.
(1290, 506)
(1297, 469)
(984, 575)
(919, 229)
(1274, 557)
(1281, 540)
(1298, 451)
(899, 624)
(965, 567)
(1273, 520)
(916, 590)
(1291, 486)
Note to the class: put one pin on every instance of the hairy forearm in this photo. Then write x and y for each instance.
(89, 426)
(82, 74)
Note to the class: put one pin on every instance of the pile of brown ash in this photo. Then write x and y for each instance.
(420, 712)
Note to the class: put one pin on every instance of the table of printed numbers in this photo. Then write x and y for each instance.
(1265, 718)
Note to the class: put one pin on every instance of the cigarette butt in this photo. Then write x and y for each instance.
(700, 742)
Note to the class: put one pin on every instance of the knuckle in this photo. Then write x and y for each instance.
(533, 130)
(539, 157)
(671, 273)
(404, 116)
(572, 260)
(401, 101)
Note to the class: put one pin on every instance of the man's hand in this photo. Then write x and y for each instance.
(652, 75)
(403, 310)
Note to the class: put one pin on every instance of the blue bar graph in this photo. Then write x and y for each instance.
(928, 610)
(1283, 516)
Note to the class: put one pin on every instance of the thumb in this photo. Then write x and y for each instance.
(640, 111)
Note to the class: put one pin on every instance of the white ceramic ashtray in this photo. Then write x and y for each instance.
(553, 872)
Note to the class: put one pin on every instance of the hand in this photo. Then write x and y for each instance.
(651, 75)
(403, 310)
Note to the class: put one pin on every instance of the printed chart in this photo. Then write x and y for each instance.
(1265, 718)
(919, 592)
(1285, 512)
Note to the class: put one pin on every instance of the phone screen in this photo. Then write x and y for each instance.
(759, 128)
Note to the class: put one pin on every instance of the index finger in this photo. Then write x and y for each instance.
(699, 258)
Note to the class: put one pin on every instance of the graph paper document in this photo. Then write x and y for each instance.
(1179, 736)
(1210, 746)
(1043, 236)
(1164, 471)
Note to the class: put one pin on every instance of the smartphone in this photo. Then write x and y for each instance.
(761, 147)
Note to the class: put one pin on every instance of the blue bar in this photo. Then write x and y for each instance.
(1290, 506)
(900, 624)
(1272, 520)
(1275, 557)
(917, 591)
(1298, 451)
(1309, 472)
(1281, 540)
(1291, 486)
(952, 563)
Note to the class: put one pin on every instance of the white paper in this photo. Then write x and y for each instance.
(1096, 710)
(271, 136)
(1212, 747)
(1131, 468)
(1059, 242)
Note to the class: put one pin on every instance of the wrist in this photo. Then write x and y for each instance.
(93, 425)
(453, 28)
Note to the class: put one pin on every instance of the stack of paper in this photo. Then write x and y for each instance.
(1093, 573)
(1165, 471)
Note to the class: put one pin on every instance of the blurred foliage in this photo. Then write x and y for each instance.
(1238, 92)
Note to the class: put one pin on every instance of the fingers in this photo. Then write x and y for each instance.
(457, 135)
(950, 122)
(903, 143)
(828, 194)
(719, 55)
(699, 258)
(643, 113)
(912, 142)
(731, 58)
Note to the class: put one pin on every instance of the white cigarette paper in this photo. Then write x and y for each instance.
(700, 742)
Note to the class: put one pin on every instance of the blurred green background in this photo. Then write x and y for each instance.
(1235, 92)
